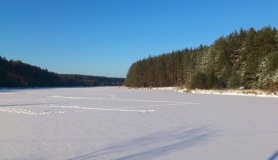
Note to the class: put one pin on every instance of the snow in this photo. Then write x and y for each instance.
(120, 123)
(234, 92)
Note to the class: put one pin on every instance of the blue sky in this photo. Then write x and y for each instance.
(104, 37)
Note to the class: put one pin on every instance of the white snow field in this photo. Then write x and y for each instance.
(131, 124)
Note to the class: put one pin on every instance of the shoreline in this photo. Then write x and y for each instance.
(232, 92)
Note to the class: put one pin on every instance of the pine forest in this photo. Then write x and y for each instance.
(19, 74)
(245, 58)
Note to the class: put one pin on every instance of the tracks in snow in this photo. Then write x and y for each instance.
(48, 105)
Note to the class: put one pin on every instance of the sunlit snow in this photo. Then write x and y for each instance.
(120, 123)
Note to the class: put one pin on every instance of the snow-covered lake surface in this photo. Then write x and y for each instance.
(120, 123)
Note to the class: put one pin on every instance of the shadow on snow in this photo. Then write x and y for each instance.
(274, 156)
(154, 145)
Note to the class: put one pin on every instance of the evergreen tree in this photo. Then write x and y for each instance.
(245, 58)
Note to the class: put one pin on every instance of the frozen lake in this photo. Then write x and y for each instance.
(119, 123)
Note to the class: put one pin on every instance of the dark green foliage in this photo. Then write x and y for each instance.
(246, 58)
(18, 74)
(272, 61)
(212, 81)
(234, 80)
(198, 80)
(202, 80)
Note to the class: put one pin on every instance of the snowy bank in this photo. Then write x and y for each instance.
(235, 92)
(258, 93)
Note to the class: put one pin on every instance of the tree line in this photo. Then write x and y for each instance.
(244, 58)
(19, 74)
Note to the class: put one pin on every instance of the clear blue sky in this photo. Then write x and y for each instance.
(104, 37)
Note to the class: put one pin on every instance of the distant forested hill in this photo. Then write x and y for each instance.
(245, 58)
(18, 74)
